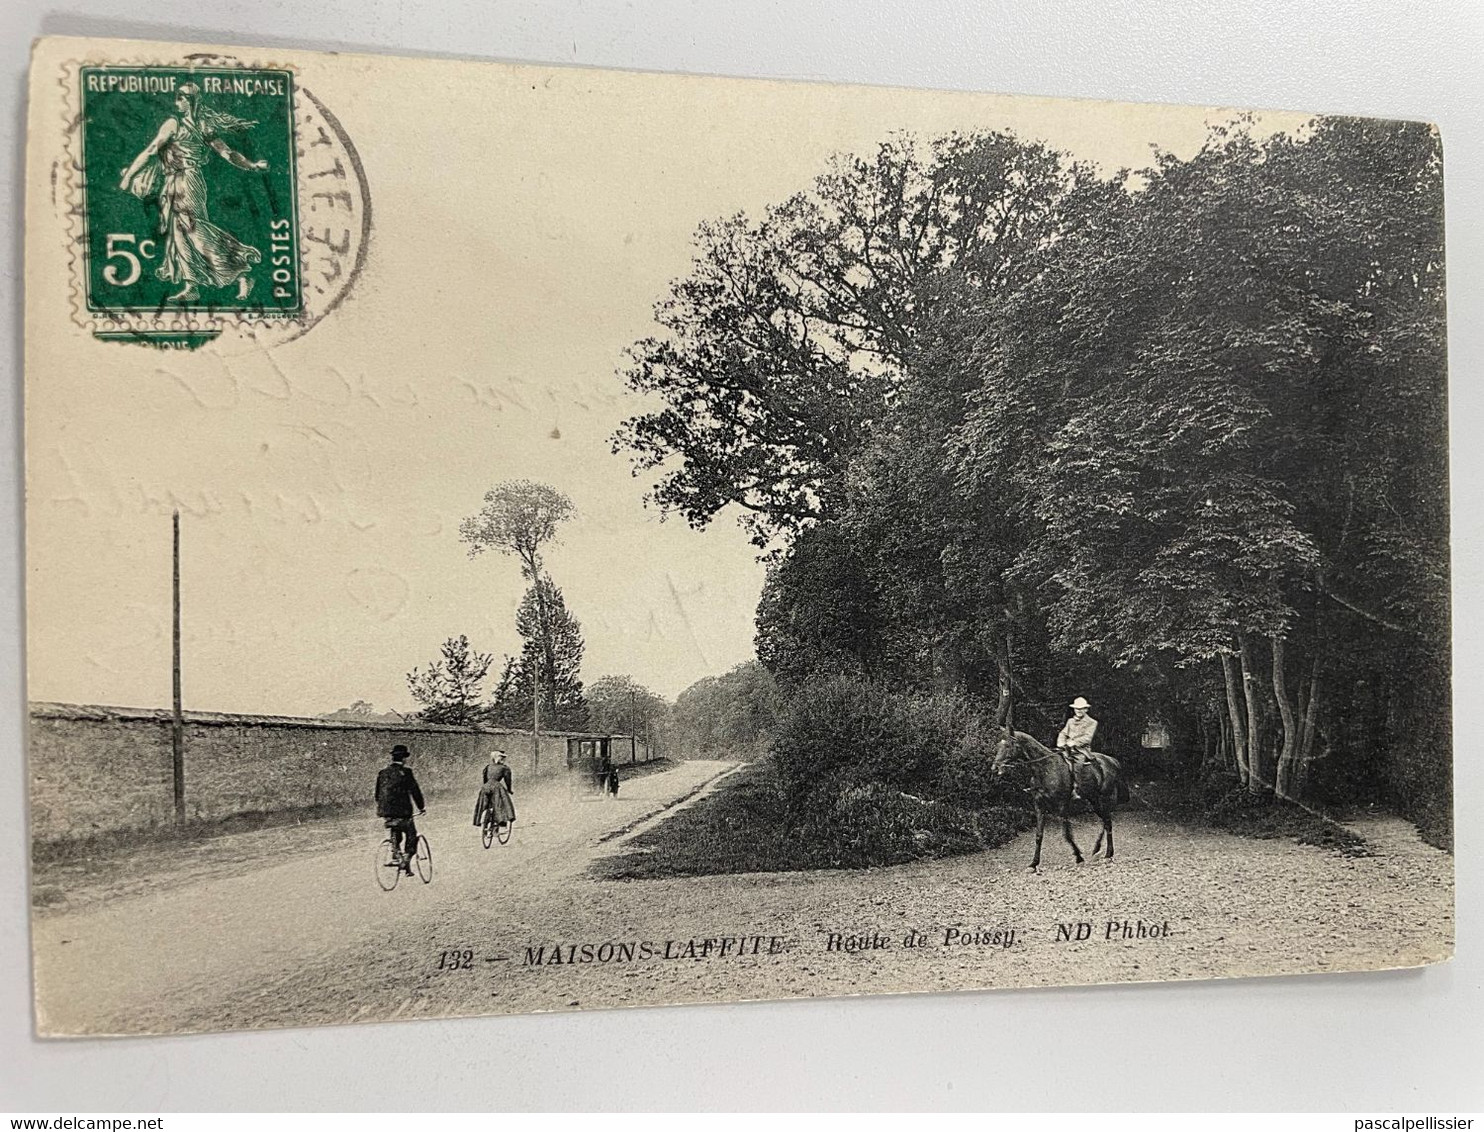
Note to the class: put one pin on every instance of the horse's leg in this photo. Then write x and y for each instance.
(1066, 829)
(1105, 813)
(1040, 832)
(1102, 805)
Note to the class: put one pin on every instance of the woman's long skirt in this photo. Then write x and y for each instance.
(194, 249)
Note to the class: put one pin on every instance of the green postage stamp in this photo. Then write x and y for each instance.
(189, 195)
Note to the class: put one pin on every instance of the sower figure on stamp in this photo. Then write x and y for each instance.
(396, 793)
(495, 796)
(193, 251)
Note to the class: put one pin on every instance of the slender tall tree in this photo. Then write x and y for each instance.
(519, 518)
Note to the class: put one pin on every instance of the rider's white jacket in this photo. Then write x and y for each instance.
(1078, 733)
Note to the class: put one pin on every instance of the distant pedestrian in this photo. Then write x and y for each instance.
(397, 792)
(607, 774)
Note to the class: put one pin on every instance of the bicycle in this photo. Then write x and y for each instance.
(493, 831)
(390, 866)
(424, 860)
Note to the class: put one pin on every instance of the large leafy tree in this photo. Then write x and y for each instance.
(1220, 408)
(784, 347)
(920, 562)
(795, 386)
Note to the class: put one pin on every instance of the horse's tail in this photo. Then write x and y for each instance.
(1122, 787)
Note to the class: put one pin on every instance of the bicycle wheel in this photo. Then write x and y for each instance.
(487, 834)
(387, 870)
(504, 832)
(424, 860)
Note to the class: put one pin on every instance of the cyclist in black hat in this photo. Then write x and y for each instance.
(396, 792)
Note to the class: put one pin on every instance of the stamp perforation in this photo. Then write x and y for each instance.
(226, 308)
(305, 113)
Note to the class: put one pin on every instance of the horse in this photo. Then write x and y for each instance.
(1052, 780)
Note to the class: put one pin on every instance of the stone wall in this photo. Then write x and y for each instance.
(98, 770)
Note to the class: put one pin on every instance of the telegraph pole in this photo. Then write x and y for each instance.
(177, 722)
(536, 719)
(633, 745)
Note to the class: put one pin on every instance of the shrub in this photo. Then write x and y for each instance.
(845, 731)
(872, 775)
(966, 775)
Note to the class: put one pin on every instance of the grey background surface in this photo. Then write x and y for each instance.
(1404, 1041)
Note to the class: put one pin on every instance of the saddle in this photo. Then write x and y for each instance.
(1075, 758)
(1081, 761)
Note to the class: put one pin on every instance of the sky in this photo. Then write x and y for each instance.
(526, 220)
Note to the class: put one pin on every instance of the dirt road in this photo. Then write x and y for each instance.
(524, 927)
(207, 936)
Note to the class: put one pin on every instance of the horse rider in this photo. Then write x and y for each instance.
(1075, 739)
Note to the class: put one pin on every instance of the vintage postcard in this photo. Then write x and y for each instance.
(510, 538)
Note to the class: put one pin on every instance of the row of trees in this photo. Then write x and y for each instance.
(1175, 438)
(732, 713)
(452, 690)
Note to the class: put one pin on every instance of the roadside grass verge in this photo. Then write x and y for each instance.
(742, 827)
(735, 829)
(627, 772)
(1223, 803)
(111, 844)
(1434, 822)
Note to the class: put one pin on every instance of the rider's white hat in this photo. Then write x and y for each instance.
(1080, 702)
(497, 753)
